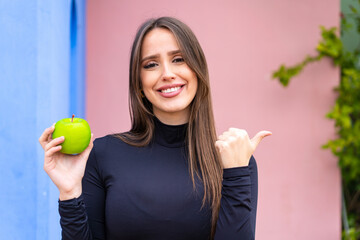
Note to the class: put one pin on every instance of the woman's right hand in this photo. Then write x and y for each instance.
(66, 171)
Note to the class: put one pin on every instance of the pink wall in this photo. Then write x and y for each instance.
(244, 41)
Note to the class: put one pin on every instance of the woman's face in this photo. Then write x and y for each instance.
(167, 81)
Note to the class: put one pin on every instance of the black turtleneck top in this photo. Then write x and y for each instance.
(147, 193)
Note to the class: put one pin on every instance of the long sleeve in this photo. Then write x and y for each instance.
(83, 218)
(237, 215)
(141, 193)
(73, 219)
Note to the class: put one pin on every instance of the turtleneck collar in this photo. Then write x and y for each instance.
(170, 135)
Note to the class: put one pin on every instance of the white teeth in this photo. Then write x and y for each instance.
(170, 90)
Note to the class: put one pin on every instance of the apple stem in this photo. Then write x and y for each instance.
(72, 119)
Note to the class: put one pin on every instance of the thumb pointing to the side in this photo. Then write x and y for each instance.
(258, 137)
(219, 145)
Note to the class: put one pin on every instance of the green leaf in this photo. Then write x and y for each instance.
(330, 45)
(353, 9)
(284, 74)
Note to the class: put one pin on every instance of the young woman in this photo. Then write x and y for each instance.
(169, 177)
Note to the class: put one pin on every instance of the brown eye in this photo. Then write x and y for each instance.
(150, 65)
(178, 59)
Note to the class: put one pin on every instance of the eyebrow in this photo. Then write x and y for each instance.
(157, 55)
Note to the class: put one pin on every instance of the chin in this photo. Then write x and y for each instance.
(174, 108)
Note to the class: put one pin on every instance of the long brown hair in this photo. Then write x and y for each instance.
(204, 162)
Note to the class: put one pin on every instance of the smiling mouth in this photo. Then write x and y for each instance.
(171, 89)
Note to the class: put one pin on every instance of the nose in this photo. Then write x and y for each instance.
(168, 73)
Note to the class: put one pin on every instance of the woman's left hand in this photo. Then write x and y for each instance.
(235, 147)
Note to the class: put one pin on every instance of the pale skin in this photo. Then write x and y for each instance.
(235, 147)
(66, 171)
(163, 66)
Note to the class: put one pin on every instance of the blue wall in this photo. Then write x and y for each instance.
(38, 86)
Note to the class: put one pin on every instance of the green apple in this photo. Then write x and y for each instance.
(77, 134)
